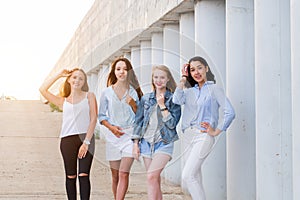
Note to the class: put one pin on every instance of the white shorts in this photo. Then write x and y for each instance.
(117, 148)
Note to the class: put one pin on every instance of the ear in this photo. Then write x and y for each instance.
(207, 69)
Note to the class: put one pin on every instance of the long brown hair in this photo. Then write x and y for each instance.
(131, 77)
(171, 84)
(65, 89)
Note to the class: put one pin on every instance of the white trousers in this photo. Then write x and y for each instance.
(198, 146)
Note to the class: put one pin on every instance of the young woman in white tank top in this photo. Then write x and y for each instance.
(78, 125)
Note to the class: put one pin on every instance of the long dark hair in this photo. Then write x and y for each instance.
(209, 75)
(131, 77)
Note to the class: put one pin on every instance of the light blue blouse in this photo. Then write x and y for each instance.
(117, 112)
(202, 105)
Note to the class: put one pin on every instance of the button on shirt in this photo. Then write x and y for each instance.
(202, 105)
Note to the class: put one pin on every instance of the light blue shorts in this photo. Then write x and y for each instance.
(160, 147)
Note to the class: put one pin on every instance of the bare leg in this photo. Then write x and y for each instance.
(114, 167)
(154, 170)
(124, 170)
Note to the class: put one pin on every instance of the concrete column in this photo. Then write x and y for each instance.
(136, 60)
(145, 66)
(172, 60)
(157, 48)
(210, 43)
(93, 86)
(187, 37)
(273, 100)
(89, 79)
(171, 49)
(240, 72)
(187, 51)
(102, 79)
(295, 55)
(127, 55)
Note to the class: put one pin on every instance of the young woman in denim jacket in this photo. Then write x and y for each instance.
(118, 104)
(202, 100)
(155, 128)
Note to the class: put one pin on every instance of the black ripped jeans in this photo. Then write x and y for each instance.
(69, 147)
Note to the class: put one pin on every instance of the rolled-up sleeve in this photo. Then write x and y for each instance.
(172, 119)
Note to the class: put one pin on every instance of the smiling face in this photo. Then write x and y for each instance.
(77, 80)
(121, 71)
(198, 72)
(159, 79)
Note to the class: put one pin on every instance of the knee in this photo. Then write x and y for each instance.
(152, 178)
(71, 176)
(187, 177)
(115, 177)
(123, 175)
(83, 174)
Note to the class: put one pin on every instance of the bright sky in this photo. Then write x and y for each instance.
(33, 35)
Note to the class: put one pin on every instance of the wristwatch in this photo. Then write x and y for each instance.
(163, 109)
(86, 141)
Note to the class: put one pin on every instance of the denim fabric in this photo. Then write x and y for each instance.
(166, 125)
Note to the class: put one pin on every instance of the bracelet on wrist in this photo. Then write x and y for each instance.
(163, 109)
(184, 76)
(86, 141)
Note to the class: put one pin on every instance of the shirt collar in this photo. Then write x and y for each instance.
(167, 94)
(206, 83)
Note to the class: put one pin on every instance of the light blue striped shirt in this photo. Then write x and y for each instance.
(117, 112)
(202, 105)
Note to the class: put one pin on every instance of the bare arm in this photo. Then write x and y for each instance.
(44, 89)
(93, 120)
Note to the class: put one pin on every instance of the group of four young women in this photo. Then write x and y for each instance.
(140, 125)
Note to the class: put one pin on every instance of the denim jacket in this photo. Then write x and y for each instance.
(167, 125)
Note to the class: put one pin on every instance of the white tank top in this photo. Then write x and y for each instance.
(76, 118)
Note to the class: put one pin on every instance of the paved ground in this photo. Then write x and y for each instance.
(31, 166)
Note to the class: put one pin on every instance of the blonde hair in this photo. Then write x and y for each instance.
(171, 84)
(65, 89)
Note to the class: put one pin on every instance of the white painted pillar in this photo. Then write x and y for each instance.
(136, 60)
(210, 44)
(187, 37)
(157, 48)
(241, 92)
(273, 100)
(127, 55)
(171, 49)
(295, 55)
(89, 80)
(93, 85)
(172, 60)
(102, 80)
(145, 66)
(187, 51)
